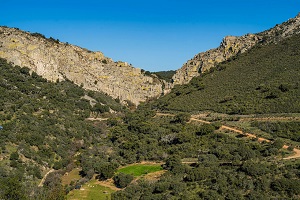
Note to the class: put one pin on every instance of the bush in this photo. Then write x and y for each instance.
(205, 129)
(182, 118)
(122, 180)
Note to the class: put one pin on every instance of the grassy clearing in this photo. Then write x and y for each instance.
(91, 191)
(140, 169)
(71, 176)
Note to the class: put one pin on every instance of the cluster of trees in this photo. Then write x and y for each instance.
(289, 130)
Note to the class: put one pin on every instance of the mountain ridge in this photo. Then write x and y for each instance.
(231, 46)
(58, 61)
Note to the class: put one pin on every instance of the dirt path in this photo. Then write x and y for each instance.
(108, 183)
(96, 119)
(199, 120)
(271, 119)
(296, 151)
(164, 114)
(44, 178)
(249, 135)
(295, 156)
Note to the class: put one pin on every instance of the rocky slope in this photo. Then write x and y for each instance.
(55, 60)
(231, 46)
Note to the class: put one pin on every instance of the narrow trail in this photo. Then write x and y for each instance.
(249, 135)
(295, 156)
(108, 183)
(44, 178)
(271, 119)
(96, 119)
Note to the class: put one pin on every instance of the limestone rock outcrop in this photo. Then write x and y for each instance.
(231, 46)
(55, 60)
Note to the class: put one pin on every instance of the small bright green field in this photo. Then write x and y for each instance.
(140, 169)
(91, 191)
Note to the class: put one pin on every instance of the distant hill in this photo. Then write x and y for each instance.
(266, 79)
(165, 75)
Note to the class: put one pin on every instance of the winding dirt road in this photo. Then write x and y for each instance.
(271, 119)
(44, 178)
(249, 135)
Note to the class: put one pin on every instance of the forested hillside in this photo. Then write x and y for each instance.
(263, 80)
(44, 127)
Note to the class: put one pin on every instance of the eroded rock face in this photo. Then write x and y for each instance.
(231, 46)
(58, 61)
(54, 61)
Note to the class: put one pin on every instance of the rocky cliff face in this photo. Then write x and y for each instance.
(59, 61)
(231, 46)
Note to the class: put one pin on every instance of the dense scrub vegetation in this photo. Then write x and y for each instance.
(226, 167)
(263, 80)
(43, 126)
(290, 130)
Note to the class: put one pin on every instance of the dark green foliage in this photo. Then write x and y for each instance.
(182, 118)
(98, 108)
(165, 75)
(291, 187)
(105, 170)
(121, 180)
(14, 156)
(173, 164)
(38, 35)
(205, 129)
(290, 130)
(263, 80)
(12, 188)
(254, 168)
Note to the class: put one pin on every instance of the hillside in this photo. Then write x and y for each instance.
(44, 126)
(231, 133)
(263, 80)
(232, 46)
(55, 60)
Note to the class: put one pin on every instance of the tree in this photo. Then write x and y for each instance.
(182, 118)
(14, 156)
(11, 188)
(122, 180)
(105, 170)
(205, 129)
(98, 108)
(173, 163)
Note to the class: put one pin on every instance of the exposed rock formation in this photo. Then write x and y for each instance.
(231, 46)
(58, 61)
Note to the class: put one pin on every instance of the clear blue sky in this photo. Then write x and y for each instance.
(154, 35)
